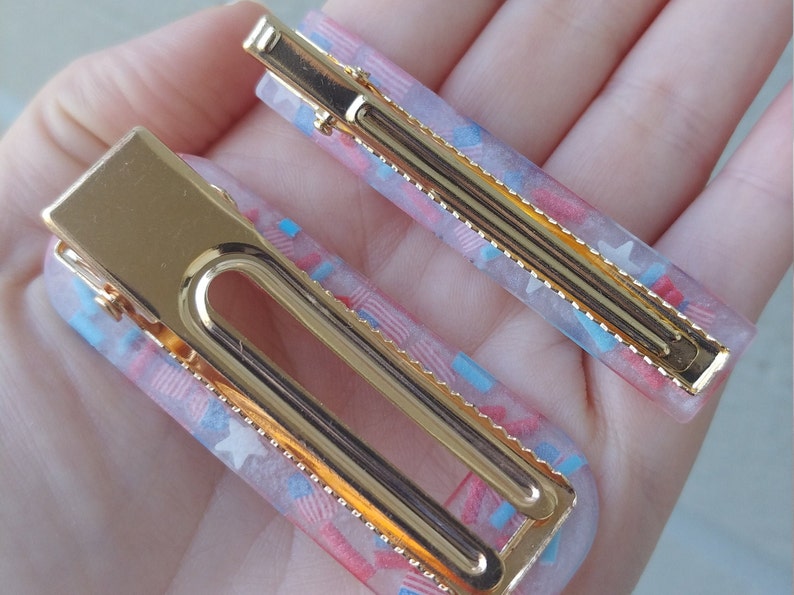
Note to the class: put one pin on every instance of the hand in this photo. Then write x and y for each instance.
(629, 104)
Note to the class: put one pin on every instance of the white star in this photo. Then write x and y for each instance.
(533, 284)
(621, 255)
(278, 94)
(243, 440)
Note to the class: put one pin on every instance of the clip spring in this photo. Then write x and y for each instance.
(144, 229)
(344, 100)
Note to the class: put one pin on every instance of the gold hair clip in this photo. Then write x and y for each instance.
(641, 311)
(150, 236)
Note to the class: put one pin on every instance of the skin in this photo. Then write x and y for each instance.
(628, 103)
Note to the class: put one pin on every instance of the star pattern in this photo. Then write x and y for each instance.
(279, 95)
(241, 442)
(621, 255)
(533, 284)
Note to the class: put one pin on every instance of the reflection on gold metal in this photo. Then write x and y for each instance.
(149, 235)
(345, 100)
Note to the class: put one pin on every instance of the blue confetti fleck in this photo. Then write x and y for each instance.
(549, 555)
(604, 340)
(322, 271)
(130, 338)
(321, 41)
(571, 464)
(547, 452)
(652, 275)
(501, 515)
(489, 252)
(368, 318)
(472, 372)
(216, 417)
(86, 296)
(298, 486)
(383, 170)
(86, 327)
(304, 119)
(466, 136)
(513, 180)
(289, 227)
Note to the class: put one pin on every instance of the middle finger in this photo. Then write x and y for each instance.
(537, 65)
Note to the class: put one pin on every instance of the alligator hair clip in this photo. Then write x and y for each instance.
(617, 298)
(145, 237)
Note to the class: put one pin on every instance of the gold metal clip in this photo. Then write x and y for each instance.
(344, 100)
(150, 236)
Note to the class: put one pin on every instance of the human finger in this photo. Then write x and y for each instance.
(537, 65)
(263, 548)
(159, 81)
(737, 236)
(647, 145)
(424, 38)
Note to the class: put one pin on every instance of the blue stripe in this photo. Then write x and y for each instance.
(368, 318)
(299, 486)
(320, 41)
(85, 326)
(604, 340)
(489, 252)
(501, 515)
(472, 372)
(466, 136)
(514, 180)
(547, 452)
(549, 555)
(571, 464)
(289, 227)
(322, 271)
(304, 119)
(652, 274)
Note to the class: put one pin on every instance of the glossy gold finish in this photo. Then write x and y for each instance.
(345, 100)
(150, 236)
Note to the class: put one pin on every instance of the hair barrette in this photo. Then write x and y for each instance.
(144, 238)
(617, 298)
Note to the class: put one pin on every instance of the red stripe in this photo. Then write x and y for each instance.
(308, 262)
(317, 507)
(346, 553)
(469, 240)
(434, 360)
(419, 584)
(699, 315)
(474, 499)
(523, 426)
(390, 560)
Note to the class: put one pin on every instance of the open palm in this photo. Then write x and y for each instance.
(629, 104)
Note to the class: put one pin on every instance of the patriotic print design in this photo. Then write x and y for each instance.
(277, 479)
(629, 253)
